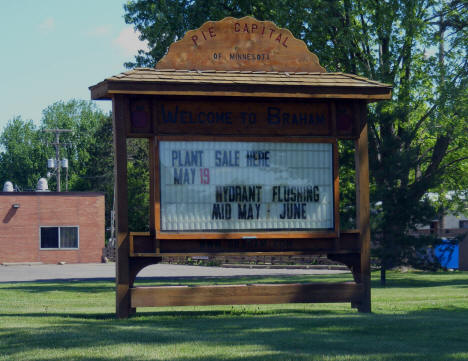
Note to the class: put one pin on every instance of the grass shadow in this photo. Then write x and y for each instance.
(73, 285)
(98, 285)
(274, 279)
(180, 312)
(417, 331)
(283, 334)
(422, 279)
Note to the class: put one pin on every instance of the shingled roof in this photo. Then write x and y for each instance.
(241, 83)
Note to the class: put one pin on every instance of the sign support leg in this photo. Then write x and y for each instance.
(122, 270)
(362, 217)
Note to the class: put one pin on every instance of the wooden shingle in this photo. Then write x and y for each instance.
(241, 83)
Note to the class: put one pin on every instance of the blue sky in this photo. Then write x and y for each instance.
(54, 50)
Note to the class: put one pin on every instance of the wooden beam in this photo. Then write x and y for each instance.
(319, 234)
(143, 245)
(336, 191)
(243, 254)
(120, 115)
(240, 88)
(244, 294)
(320, 94)
(152, 186)
(362, 217)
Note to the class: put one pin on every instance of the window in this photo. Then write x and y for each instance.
(59, 237)
(464, 224)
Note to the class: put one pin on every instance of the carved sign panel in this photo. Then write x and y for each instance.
(232, 118)
(240, 44)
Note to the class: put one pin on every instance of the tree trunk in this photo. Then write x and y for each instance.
(383, 276)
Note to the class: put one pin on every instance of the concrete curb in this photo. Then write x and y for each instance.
(22, 264)
(282, 266)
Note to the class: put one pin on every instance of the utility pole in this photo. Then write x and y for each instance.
(57, 145)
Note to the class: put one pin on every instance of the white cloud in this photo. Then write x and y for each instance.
(129, 43)
(47, 25)
(100, 31)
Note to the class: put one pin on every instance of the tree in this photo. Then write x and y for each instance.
(418, 140)
(138, 185)
(26, 148)
(23, 156)
(98, 166)
(163, 22)
(89, 150)
(85, 120)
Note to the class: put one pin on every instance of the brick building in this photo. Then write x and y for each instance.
(51, 227)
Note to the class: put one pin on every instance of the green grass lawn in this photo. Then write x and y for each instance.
(418, 316)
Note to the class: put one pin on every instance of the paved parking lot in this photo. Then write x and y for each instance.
(41, 272)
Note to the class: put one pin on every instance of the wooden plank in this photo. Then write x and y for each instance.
(346, 117)
(348, 243)
(336, 188)
(315, 93)
(252, 80)
(332, 106)
(248, 235)
(261, 84)
(308, 78)
(362, 217)
(359, 109)
(246, 117)
(100, 91)
(197, 133)
(193, 106)
(142, 243)
(221, 138)
(154, 254)
(157, 188)
(279, 85)
(152, 185)
(120, 117)
(140, 116)
(242, 254)
(244, 294)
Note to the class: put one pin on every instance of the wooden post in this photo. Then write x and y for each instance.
(120, 115)
(152, 166)
(362, 216)
(152, 188)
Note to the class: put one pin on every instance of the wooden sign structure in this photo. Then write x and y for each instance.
(240, 44)
(242, 124)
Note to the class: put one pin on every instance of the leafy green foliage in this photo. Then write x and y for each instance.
(90, 154)
(347, 189)
(417, 141)
(23, 154)
(138, 185)
(86, 122)
(26, 148)
(163, 22)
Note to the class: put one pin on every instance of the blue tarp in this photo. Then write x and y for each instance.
(447, 254)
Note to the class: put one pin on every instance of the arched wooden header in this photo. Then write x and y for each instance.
(243, 125)
(240, 44)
